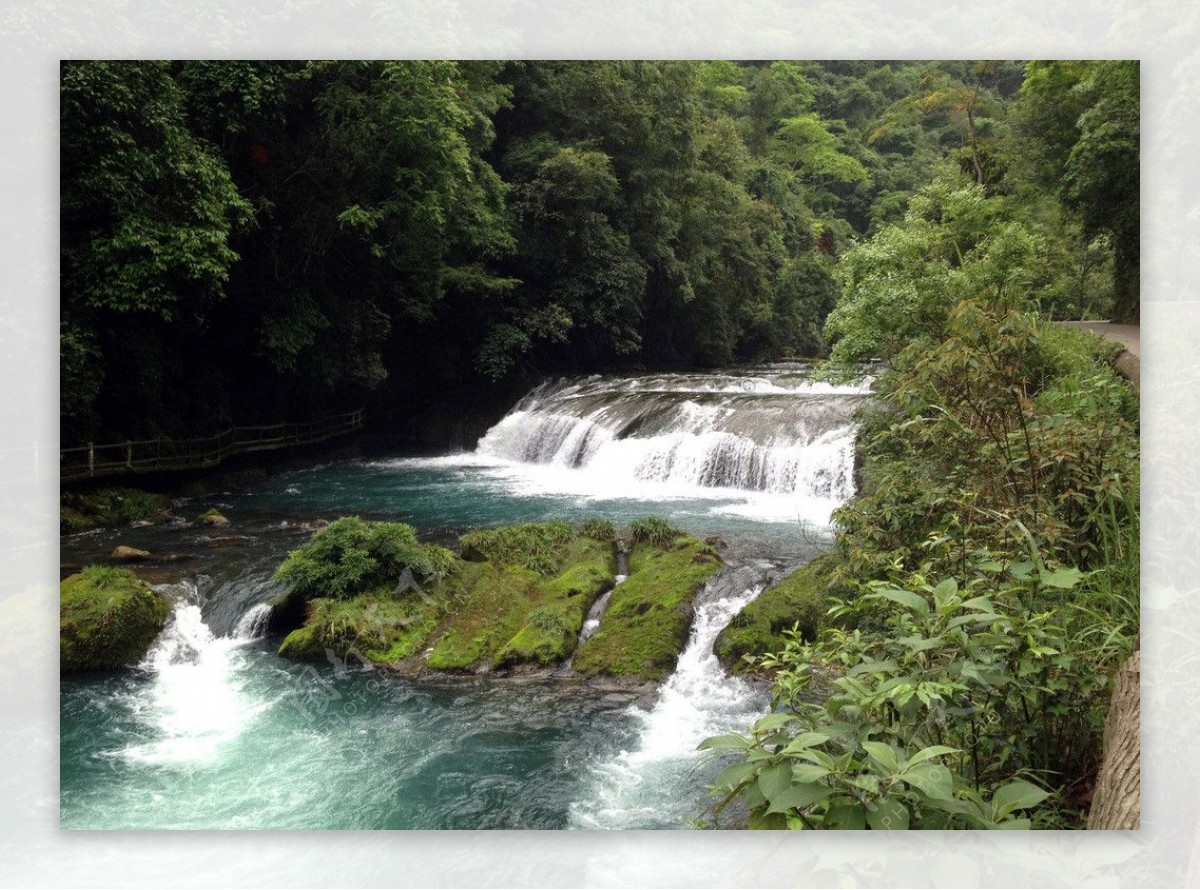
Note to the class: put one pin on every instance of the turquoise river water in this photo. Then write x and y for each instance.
(213, 730)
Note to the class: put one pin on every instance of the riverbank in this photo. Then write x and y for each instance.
(988, 565)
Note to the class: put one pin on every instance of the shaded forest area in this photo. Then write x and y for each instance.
(246, 242)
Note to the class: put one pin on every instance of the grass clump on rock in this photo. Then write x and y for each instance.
(107, 619)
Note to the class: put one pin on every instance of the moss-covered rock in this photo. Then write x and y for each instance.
(649, 615)
(107, 619)
(81, 511)
(213, 517)
(521, 598)
(381, 626)
(800, 600)
(506, 613)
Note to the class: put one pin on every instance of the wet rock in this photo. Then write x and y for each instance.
(123, 553)
(213, 518)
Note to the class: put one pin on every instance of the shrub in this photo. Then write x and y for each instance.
(928, 723)
(350, 556)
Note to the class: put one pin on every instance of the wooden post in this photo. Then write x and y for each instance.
(91, 459)
(128, 454)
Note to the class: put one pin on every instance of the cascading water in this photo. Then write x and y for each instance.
(773, 433)
(196, 700)
(640, 786)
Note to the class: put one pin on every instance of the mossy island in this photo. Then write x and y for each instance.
(107, 619)
(796, 604)
(513, 598)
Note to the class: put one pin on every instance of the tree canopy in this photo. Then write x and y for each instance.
(249, 241)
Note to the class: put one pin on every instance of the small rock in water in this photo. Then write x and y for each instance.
(214, 518)
(128, 554)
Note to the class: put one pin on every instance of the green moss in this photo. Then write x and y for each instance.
(104, 507)
(495, 612)
(510, 614)
(801, 599)
(648, 617)
(378, 626)
(107, 619)
(537, 546)
(492, 603)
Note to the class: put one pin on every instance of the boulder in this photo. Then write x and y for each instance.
(213, 518)
(128, 554)
(108, 618)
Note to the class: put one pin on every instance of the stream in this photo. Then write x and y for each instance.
(213, 730)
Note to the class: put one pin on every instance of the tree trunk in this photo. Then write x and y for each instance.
(1117, 802)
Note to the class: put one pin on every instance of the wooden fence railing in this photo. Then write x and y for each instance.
(167, 455)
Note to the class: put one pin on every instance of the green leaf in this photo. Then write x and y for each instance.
(774, 780)
(797, 797)
(1063, 579)
(733, 776)
(882, 754)
(808, 772)
(944, 591)
(845, 817)
(911, 601)
(805, 740)
(932, 778)
(725, 742)
(1022, 570)
(1018, 795)
(773, 721)
(888, 814)
(931, 751)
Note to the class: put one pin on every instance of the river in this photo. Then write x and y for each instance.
(213, 730)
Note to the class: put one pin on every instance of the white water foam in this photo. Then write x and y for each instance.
(776, 447)
(197, 700)
(639, 787)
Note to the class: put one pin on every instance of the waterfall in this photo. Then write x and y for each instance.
(592, 623)
(639, 786)
(775, 432)
(196, 698)
(253, 625)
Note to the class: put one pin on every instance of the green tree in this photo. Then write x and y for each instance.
(1078, 127)
(147, 214)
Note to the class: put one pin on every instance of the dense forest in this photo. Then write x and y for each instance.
(257, 241)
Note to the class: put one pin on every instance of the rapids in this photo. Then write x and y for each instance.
(213, 730)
